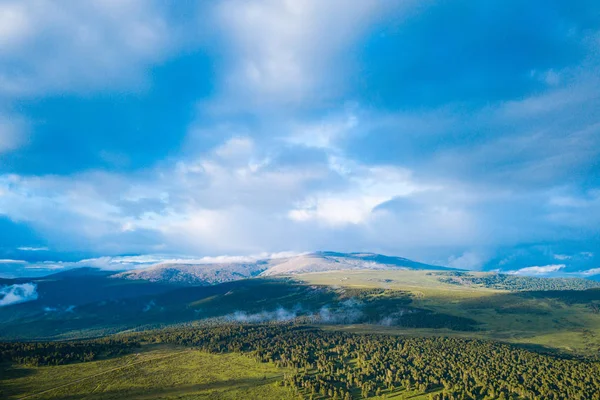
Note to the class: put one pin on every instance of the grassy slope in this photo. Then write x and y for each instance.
(156, 372)
(165, 372)
(511, 317)
(414, 280)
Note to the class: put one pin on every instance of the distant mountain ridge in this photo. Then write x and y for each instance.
(322, 261)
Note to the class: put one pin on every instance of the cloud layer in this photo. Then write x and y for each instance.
(423, 129)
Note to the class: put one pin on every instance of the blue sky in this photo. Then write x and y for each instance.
(461, 133)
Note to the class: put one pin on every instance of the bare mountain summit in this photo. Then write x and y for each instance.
(331, 261)
(197, 274)
(208, 274)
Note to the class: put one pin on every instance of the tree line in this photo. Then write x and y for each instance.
(59, 353)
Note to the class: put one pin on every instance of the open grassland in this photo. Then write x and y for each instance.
(165, 372)
(420, 283)
(553, 320)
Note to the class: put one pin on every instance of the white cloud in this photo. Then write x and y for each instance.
(223, 259)
(538, 270)
(18, 293)
(47, 266)
(10, 261)
(589, 272)
(77, 46)
(283, 50)
(15, 24)
(29, 248)
(336, 210)
(368, 187)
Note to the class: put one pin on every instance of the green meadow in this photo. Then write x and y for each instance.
(166, 372)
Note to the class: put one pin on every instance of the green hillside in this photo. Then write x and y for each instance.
(154, 372)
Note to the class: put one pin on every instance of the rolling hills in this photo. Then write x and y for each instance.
(88, 303)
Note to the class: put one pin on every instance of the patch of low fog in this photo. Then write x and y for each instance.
(346, 312)
(151, 304)
(18, 293)
(394, 319)
(279, 315)
(59, 309)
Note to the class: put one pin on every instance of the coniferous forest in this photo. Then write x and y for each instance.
(326, 364)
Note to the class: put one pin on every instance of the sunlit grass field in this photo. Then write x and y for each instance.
(420, 283)
(166, 372)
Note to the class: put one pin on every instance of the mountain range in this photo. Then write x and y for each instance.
(86, 302)
(323, 261)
